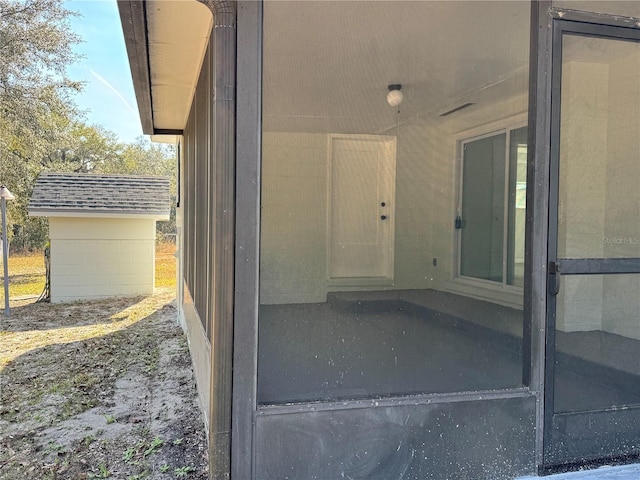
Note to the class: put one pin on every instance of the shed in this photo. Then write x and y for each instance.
(102, 232)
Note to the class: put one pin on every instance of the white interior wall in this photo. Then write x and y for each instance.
(416, 176)
(101, 257)
(621, 304)
(294, 208)
(294, 211)
(600, 202)
(293, 260)
(581, 211)
(467, 60)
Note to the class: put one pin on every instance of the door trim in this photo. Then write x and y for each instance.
(359, 281)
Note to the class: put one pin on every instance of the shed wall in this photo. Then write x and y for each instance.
(99, 258)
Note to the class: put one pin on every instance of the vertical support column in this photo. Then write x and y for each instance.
(222, 267)
(249, 131)
(537, 212)
(5, 256)
(5, 195)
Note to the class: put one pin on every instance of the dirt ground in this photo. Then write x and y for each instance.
(100, 389)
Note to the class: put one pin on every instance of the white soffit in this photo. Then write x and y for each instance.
(178, 33)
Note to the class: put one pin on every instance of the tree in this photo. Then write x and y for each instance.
(83, 148)
(35, 93)
(145, 158)
(41, 129)
(142, 157)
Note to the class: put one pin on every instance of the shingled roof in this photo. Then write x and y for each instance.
(91, 195)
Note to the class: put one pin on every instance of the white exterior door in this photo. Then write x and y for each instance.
(362, 171)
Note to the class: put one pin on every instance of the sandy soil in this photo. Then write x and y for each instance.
(99, 389)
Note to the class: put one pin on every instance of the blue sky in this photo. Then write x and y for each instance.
(108, 95)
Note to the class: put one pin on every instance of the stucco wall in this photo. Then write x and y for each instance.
(294, 211)
(621, 305)
(294, 219)
(293, 263)
(599, 197)
(101, 257)
(581, 211)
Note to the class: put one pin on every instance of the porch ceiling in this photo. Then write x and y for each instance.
(166, 42)
(444, 53)
(336, 69)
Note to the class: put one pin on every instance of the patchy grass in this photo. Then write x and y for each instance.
(100, 389)
(27, 271)
(73, 329)
(26, 275)
(165, 265)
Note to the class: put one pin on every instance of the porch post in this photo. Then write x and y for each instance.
(249, 130)
(222, 268)
(535, 287)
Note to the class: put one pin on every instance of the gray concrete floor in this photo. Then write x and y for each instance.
(314, 352)
(377, 344)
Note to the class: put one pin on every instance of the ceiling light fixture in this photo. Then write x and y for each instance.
(394, 97)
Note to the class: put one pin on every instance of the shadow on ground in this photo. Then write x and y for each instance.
(110, 394)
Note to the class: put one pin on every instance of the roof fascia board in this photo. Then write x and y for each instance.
(167, 131)
(94, 214)
(134, 28)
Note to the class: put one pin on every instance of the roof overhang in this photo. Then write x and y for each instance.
(166, 41)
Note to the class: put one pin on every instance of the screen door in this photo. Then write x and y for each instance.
(593, 346)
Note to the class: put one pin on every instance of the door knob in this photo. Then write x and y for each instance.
(383, 217)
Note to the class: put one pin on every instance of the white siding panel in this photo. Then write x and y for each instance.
(101, 228)
(100, 258)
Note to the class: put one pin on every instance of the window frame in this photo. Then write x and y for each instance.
(486, 131)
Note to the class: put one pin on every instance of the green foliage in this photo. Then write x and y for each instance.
(41, 129)
(182, 472)
(103, 472)
(35, 98)
(29, 233)
(129, 453)
(153, 446)
(142, 158)
(35, 91)
(83, 149)
(145, 158)
(109, 419)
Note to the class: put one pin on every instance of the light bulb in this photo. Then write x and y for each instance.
(394, 97)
